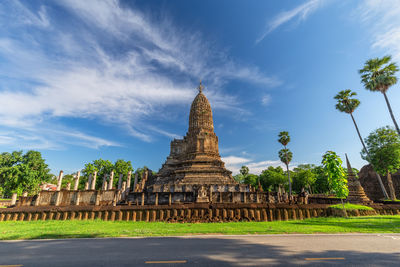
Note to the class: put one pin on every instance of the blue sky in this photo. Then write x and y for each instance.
(81, 80)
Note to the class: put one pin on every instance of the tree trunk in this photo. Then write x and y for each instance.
(290, 183)
(391, 187)
(391, 113)
(385, 194)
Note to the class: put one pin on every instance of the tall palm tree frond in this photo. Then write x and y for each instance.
(376, 76)
(284, 138)
(345, 102)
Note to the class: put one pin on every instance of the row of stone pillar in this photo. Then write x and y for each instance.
(106, 185)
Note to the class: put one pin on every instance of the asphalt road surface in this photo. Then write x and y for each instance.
(261, 250)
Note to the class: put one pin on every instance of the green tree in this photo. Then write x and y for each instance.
(303, 177)
(346, 103)
(383, 145)
(321, 184)
(122, 167)
(239, 178)
(22, 172)
(251, 179)
(103, 167)
(273, 178)
(286, 156)
(337, 179)
(244, 170)
(378, 74)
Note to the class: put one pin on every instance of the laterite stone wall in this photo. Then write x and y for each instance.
(182, 213)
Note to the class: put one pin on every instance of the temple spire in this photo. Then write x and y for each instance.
(356, 191)
(200, 88)
(349, 168)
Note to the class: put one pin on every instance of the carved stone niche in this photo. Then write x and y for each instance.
(220, 188)
(188, 188)
(178, 188)
(231, 188)
(202, 195)
(157, 188)
(244, 188)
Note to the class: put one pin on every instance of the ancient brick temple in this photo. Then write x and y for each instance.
(194, 171)
(195, 160)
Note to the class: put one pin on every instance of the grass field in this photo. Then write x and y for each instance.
(98, 228)
(349, 206)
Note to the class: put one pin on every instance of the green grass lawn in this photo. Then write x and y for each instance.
(97, 228)
(349, 206)
(5, 199)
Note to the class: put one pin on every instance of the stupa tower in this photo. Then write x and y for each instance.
(195, 159)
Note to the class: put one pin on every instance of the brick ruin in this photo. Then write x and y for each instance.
(367, 178)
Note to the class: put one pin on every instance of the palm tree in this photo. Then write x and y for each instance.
(378, 75)
(286, 156)
(347, 104)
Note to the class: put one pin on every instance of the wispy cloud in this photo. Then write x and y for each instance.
(382, 19)
(300, 13)
(106, 62)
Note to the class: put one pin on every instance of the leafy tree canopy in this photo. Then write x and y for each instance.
(22, 172)
(303, 178)
(251, 179)
(104, 168)
(272, 178)
(333, 169)
(383, 145)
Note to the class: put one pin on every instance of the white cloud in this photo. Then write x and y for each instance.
(265, 100)
(300, 12)
(382, 19)
(234, 163)
(75, 72)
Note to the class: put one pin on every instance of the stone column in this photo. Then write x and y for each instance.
(14, 199)
(110, 184)
(105, 185)
(120, 181)
(104, 182)
(128, 182)
(97, 202)
(78, 175)
(135, 181)
(68, 186)
(25, 194)
(37, 201)
(89, 181)
(60, 177)
(122, 193)
(157, 199)
(78, 197)
(93, 185)
(87, 186)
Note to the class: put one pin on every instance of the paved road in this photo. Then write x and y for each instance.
(286, 250)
